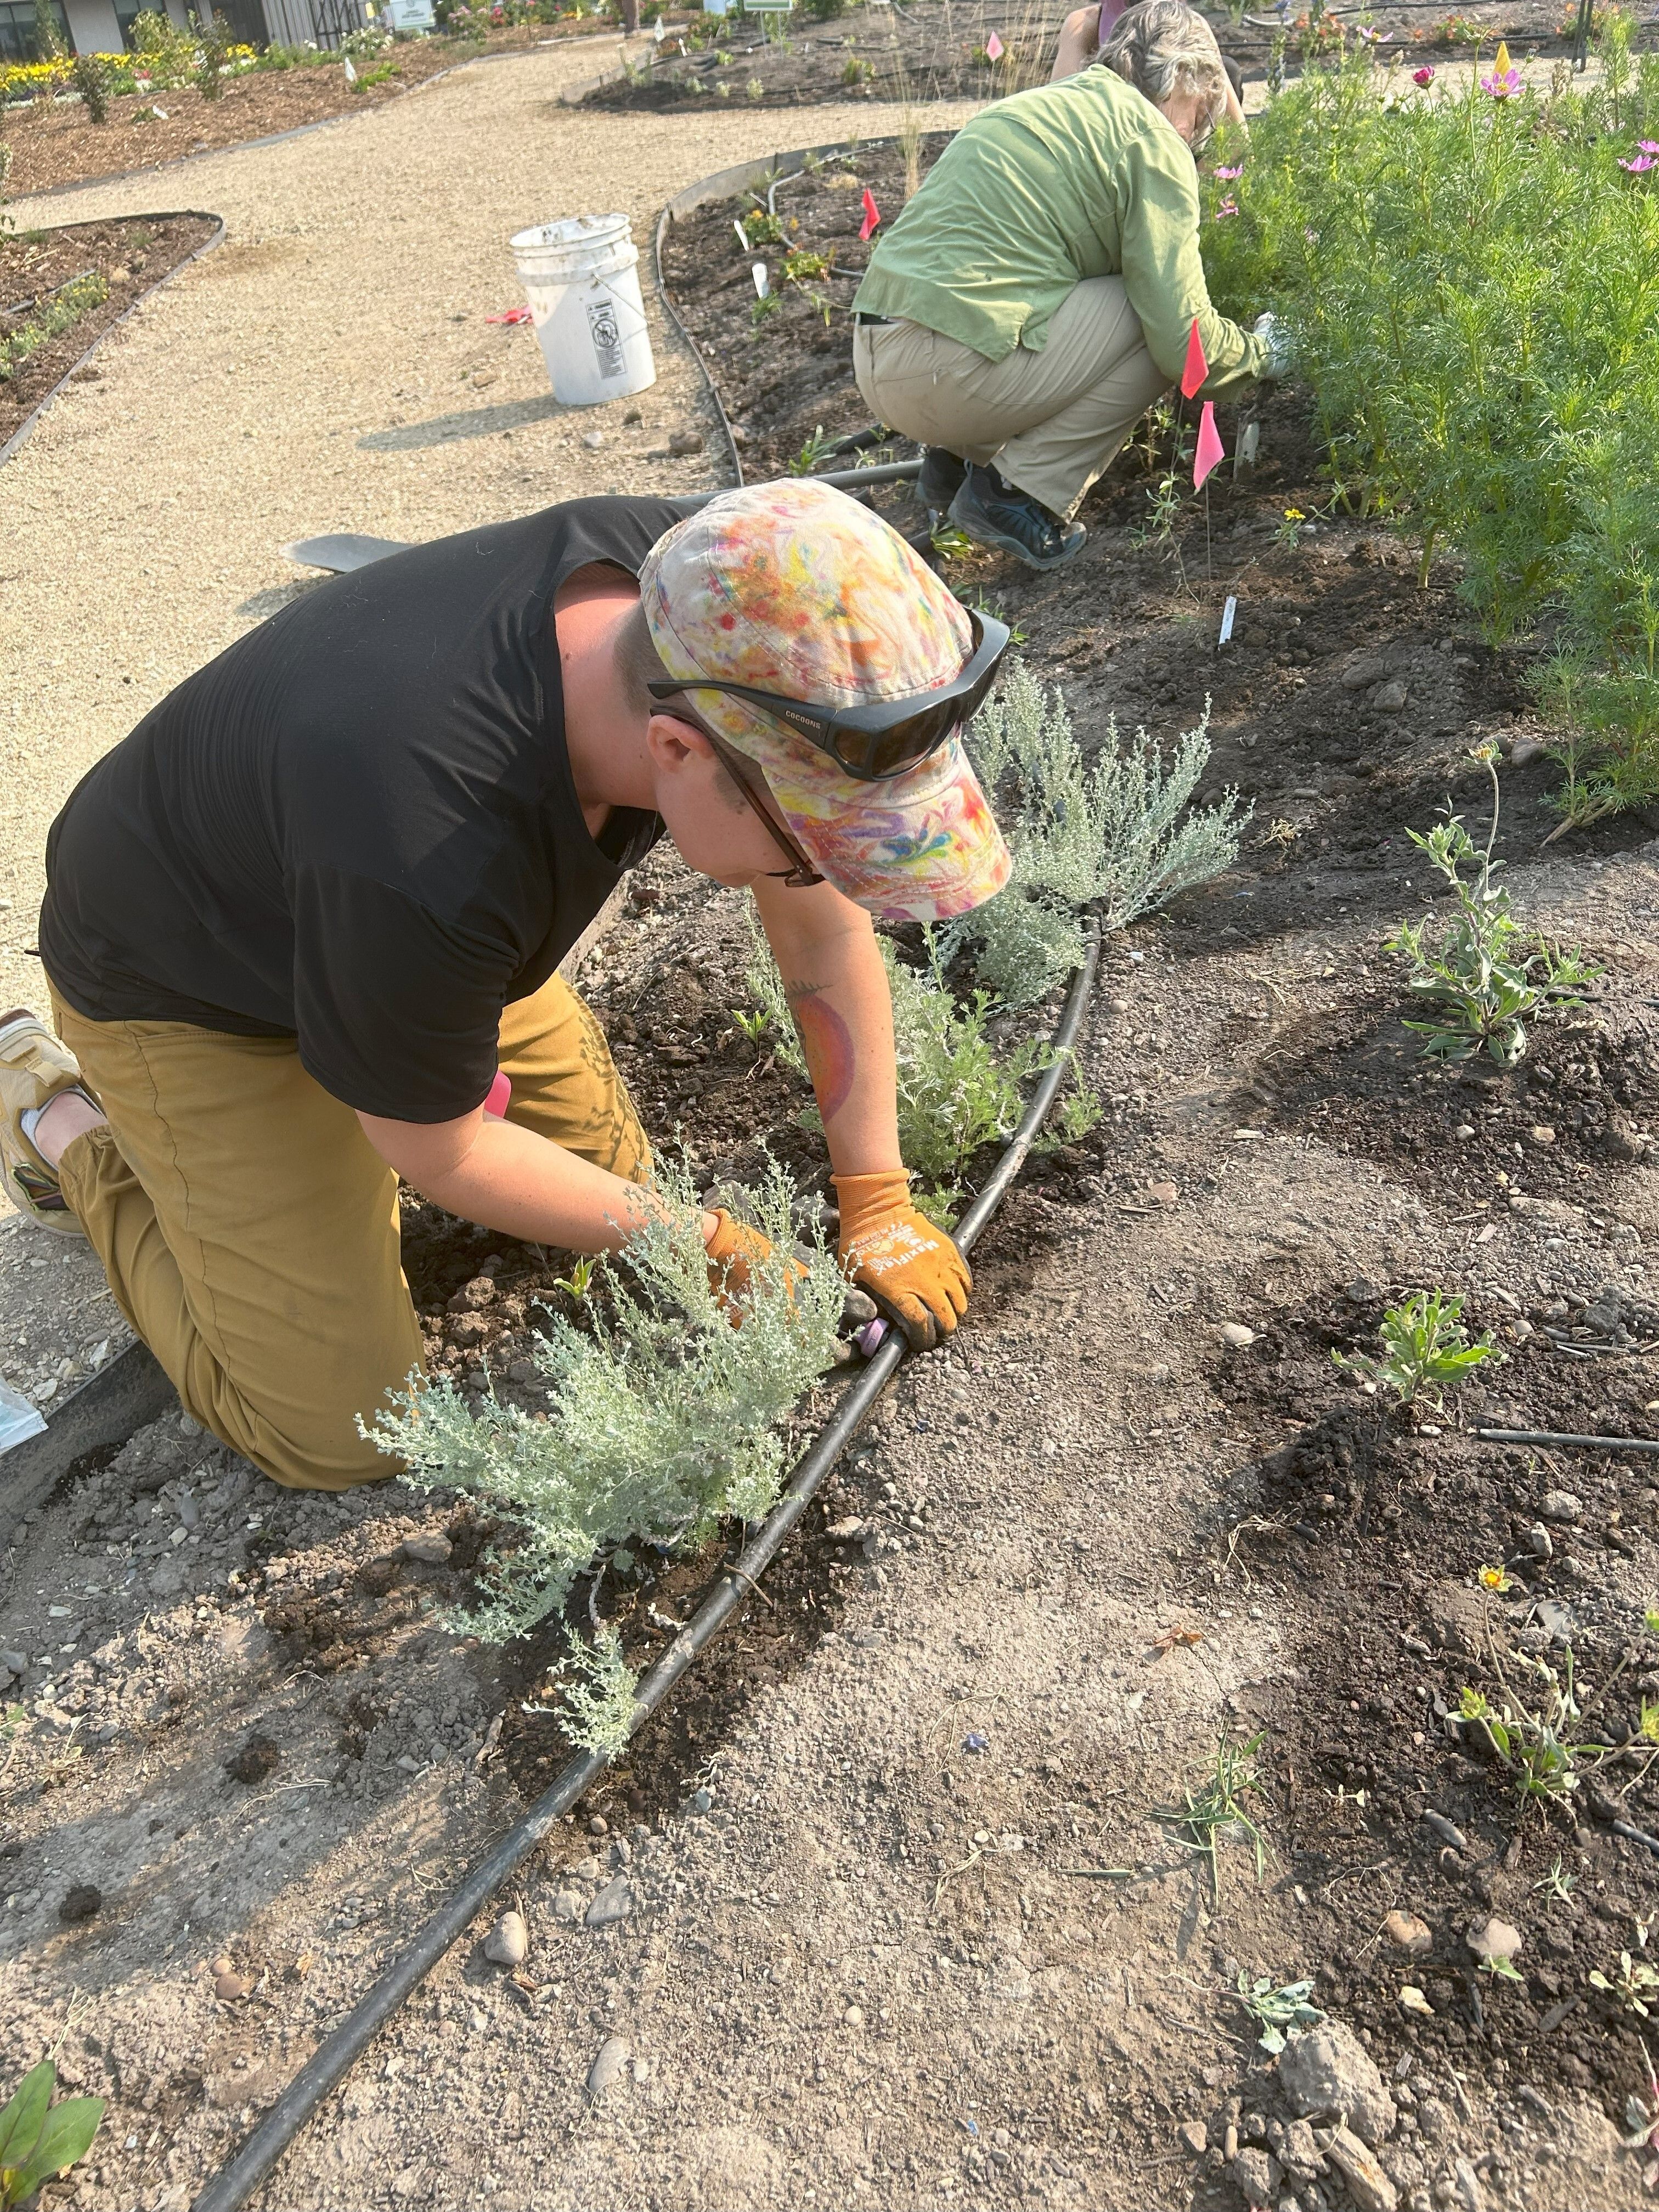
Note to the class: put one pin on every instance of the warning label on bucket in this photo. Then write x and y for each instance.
(607, 339)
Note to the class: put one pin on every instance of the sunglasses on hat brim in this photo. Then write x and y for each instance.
(887, 737)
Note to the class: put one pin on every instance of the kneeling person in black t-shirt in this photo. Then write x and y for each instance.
(297, 923)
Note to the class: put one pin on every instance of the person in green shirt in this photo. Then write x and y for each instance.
(1035, 296)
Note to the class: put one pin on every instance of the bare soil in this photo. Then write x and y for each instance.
(131, 257)
(936, 50)
(55, 142)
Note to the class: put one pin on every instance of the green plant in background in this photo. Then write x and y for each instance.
(91, 79)
(801, 264)
(57, 314)
(661, 1421)
(762, 229)
(1427, 1350)
(162, 52)
(1280, 2010)
(1214, 1810)
(1637, 1985)
(1483, 974)
(855, 72)
(39, 2139)
(1113, 836)
(215, 52)
(817, 448)
(48, 46)
(1471, 284)
(766, 306)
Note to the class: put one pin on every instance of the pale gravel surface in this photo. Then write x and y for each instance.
(145, 515)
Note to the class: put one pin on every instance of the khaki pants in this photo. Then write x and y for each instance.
(249, 1230)
(1051, 421)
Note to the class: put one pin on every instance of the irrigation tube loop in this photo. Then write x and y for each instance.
(235, 2182)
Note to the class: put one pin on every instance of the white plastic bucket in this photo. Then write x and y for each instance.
(581, 275)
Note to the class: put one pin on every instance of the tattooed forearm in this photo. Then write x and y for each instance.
(828, 1043)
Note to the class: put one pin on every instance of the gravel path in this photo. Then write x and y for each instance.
(327, 367)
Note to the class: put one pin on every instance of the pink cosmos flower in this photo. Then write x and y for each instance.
(1230, 206)
(1226, 176)
(1643, 161)
(1424, 76)
(1647, 145)
(1502, 84)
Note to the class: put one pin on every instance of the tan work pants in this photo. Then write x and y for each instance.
(1051, 421)
(249, 1230)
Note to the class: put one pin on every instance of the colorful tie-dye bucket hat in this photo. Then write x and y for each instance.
(795, 589)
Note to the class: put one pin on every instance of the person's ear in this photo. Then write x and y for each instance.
(673, 744)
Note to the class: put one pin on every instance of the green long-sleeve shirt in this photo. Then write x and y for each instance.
(1084, 178)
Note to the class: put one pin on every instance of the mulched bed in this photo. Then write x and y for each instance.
(130, 255)
(55, 142)
(935, 50)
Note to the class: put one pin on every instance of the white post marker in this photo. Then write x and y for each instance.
(657, 31)
(762, 284)
(743, 235)
(1227, 614)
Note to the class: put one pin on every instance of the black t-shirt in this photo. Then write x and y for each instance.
(357, 826)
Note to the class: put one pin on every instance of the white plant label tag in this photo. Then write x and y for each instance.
(762, 283)
(743, 235)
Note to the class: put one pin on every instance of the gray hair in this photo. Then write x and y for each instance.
(1163, 47)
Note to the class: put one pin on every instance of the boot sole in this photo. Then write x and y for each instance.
(985, 533)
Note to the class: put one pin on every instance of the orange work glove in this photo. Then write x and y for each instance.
(911, 1269)
(733, 1249)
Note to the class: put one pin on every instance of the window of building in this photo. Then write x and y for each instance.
(18, 42)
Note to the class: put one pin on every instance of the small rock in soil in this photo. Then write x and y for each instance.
(614, 1902)
(1370, 2187)
(15, 1662)
(252, 1759)
(1494, 1939)
(1257, 2173)
(685, 442)
(430, 1551)
(1447, 1830)
(507, 1943)
(80, 1903)
(1524, 752)
(1389, 698)
(567, 1905)
(1407, 1933)
(1235, 1334)
(229, 1987)
(592, 440)
(1540, 1542)
(610, 2066)
(1195, 2136)
(1562, 1506)
(1329, 2070)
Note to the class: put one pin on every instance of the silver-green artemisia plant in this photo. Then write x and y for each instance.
(659, 1424)
(1113, 835)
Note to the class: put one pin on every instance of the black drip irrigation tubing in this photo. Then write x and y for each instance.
(235, 2182)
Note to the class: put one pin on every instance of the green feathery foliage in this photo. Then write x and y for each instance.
(1112, 835)
(660, 1423)
(1471, 281)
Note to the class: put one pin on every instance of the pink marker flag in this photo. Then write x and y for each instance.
(1197, 368)
(872, 216)
(994, 48)
(1210, 449)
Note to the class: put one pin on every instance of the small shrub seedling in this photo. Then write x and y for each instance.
(815, 449)
(1539, 1746)
(39, 2139)
(1637, 1983)
(956, 1091)
(1482, 974)
(661, 1420)
(1426, 1350)
(1112, 836)
(92, 81)
(58, 314)
(1280, 2010)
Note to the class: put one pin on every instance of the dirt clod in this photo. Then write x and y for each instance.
(81, 1903)
(255, 1757)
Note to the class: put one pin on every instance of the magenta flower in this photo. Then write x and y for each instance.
(1424, 76)
(1502, 84)
(1643, 161)
(1226, 176)
(1647, 145)
(1230, 206)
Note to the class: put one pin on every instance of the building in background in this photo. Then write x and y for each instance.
(105, 26)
